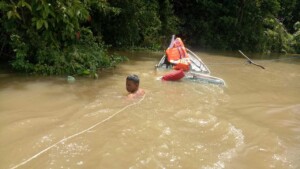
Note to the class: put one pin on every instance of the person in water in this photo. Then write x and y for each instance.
(132, 86)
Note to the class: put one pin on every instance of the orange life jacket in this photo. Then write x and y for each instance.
(178, 54)
(182, 66)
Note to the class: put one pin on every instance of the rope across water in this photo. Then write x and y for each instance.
(76, 134)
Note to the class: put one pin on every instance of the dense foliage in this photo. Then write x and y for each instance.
(71, 36)
(52, 37)
(254, 25)
(138, 23)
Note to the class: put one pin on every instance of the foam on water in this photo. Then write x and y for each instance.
(226, 156)
(184, 134)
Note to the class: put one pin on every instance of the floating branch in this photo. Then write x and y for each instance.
(250, 61)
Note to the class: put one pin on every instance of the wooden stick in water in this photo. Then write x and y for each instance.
(250, 61)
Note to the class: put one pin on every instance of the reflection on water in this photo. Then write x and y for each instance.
(253, 122)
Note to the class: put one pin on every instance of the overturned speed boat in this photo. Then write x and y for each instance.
(181, 59)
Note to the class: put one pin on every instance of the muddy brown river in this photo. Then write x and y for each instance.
(252, 122)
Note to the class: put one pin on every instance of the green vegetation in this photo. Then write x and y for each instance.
(53, 37)
(258, 25)
(72, 37)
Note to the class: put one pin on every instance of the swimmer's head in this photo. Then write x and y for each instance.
(132, 83)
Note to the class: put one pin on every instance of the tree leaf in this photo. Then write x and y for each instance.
(86, 72)
(39, 24)
(46, 24)
(19, 4)
(9, 14)
(45, 12)
(27, 5)
(17, 15)
(70, 13)
(39, 7)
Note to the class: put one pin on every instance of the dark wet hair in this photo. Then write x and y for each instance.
(133, 78)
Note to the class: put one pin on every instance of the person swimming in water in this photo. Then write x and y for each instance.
(132, 86)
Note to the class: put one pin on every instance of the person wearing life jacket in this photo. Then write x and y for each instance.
(177, 55)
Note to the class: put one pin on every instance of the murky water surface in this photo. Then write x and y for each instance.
(253, 122)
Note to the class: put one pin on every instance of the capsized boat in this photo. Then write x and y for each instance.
(198, 71)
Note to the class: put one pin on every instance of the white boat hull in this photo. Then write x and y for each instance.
(199, 72)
